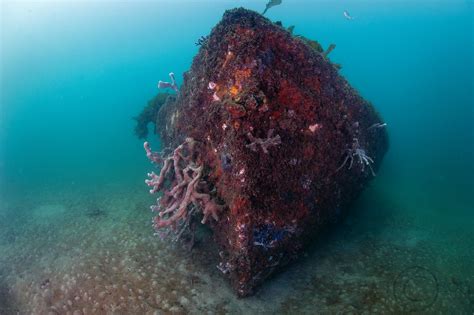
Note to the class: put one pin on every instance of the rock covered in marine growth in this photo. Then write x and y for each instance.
(281, 141)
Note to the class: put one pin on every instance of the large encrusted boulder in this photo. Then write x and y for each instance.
(269, 143)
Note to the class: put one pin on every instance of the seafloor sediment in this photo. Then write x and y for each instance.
(92, 251)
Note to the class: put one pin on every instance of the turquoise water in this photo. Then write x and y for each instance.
(73, 74)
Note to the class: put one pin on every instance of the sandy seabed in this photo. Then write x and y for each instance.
(93, 251)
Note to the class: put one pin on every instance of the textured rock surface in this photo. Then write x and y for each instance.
(285, 142)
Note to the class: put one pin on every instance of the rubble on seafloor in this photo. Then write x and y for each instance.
(267, 141)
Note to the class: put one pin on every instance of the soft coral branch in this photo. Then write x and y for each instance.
(179, 179)
(172, 84)
(264, 143)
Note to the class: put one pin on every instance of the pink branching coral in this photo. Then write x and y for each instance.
(179, 180)
(265, 143)
(172, 84)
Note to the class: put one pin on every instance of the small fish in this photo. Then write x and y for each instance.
(347, 15)
(270, 4)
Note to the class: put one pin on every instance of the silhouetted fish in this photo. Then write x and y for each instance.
(347, 15)
(270, 4)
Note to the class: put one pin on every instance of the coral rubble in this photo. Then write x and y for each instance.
(263, 127)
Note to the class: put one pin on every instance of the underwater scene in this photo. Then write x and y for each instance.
(236, 157)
